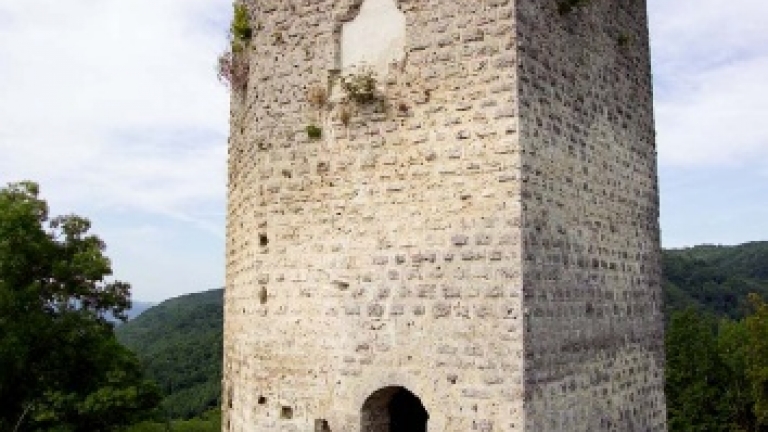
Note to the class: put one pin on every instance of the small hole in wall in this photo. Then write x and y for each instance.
(263, 240)
(262, 297)
(322, 426)
(341, 285)
(286, 413)
(262, 400)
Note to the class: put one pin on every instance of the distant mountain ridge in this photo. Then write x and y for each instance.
(138, 308)
(180, 340)
(715, 279)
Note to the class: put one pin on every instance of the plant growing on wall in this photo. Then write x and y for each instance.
(232, 69)
(623, 40)
(360, 87)
(240, 31)
(345, 115)
(314, 132)
(317, 97)
(232, 66)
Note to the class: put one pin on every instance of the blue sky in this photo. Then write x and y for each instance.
(114, 108)
(710, 65)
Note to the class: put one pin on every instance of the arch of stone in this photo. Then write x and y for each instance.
(393, 409)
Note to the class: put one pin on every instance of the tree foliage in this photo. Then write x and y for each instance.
(756, 356)
(693, 374)
(232, 66)
(717, 371)
(209, 421)
(61, 367)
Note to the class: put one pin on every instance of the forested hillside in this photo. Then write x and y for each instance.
(715, 279)
(180, 343)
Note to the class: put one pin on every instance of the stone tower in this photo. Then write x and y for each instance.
(443, 216)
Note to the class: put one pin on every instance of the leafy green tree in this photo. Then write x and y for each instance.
(61, 367)
(717, 372)
(209, 421)
(694, 378)
(735, 393)
(757, 356)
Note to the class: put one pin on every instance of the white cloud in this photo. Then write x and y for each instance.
(722, 120)
(710, 64)
(113, 106)
(115, 101)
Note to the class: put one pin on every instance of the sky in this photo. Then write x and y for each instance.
(113, 106)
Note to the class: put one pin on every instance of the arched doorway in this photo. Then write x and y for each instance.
(394, 409)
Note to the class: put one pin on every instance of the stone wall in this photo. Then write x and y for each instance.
(594, 340)
(495, 196)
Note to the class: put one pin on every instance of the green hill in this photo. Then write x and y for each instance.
(180, 343)
(138, 308)
(715, 279)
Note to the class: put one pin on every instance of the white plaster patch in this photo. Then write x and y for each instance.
(375, 38)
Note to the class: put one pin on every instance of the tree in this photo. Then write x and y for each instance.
(694, 375)
(61, 367)
(716, 371)
(209, 421)
(735, 394)
(757, 356)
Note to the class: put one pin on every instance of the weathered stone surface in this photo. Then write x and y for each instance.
(485, 234)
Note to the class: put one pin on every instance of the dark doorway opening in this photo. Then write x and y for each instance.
(394, 409)
(406, 413)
